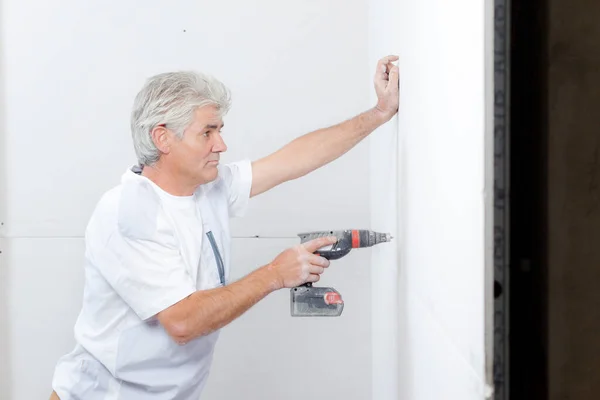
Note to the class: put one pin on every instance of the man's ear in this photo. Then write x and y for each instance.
(161, 138)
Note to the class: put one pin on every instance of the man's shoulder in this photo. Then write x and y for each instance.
(102, 222)
(109, 201)
(131, 208)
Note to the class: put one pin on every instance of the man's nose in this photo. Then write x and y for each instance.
(219, 145)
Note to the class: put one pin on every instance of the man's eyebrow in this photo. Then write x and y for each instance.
(212, 126)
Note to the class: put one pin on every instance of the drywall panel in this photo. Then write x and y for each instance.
(438, 180)
(266, 354)
(5, 361)
(443, 196)
(438, 368)
(44, 288)
(4, 345)
(72, 68)
(3, 151)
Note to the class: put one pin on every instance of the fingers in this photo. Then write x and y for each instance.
(384, 63)
(315, 244)
(319, 261)
(394, 77)
(384, 69)
(313, 278)
(315, 269)
(381, 73)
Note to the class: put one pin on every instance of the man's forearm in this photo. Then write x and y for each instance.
(315, 149)
(206, 311)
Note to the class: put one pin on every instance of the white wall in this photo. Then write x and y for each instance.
(383, 40)
(440, 161)
(69, 72)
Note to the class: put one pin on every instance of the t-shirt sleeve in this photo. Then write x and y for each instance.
(148, 275)
(237, 178)
(136, 251)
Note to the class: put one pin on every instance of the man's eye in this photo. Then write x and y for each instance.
(205, 134)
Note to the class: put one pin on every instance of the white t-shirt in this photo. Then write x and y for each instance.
(145, 251)
(187, 223)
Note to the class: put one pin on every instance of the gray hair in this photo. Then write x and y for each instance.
(171, 99)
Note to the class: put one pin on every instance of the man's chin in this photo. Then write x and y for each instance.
(210, 173)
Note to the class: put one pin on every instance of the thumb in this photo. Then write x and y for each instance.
(315, 244)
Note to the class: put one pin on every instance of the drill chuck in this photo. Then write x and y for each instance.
(370, 238)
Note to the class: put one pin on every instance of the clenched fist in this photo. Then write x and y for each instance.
(299, 265)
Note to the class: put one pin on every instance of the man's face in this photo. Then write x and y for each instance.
(195, 157)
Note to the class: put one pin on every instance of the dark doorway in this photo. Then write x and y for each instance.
(521, 217)
(548, 263)
(527, 261)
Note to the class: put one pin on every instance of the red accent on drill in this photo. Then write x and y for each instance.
(355, 239)
(333, 298)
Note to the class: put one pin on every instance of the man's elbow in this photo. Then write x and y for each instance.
(176, 327)
(180, 324)
(181, 331)
(178, 331)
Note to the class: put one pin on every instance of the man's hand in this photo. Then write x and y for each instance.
(387, 86)
(298, 265)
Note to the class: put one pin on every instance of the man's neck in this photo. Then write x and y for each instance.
(167, 181)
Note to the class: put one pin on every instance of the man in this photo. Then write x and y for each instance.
(157, 246)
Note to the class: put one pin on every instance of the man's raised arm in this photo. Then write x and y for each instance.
(315, 149)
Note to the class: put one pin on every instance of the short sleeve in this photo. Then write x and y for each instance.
(137, 252)
(237, 178)
(148, 275)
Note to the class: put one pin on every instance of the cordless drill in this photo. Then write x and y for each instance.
(310, 301)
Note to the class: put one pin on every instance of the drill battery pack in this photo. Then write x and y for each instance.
(312, 301)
